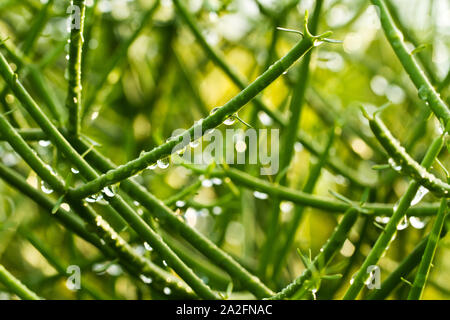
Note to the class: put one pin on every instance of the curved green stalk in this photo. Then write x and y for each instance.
(334, 164)
(425, 265)
(17, 287)
(195, 238)
(103, 227)
(403, 161)
(426, 90)
(327, 252)
(405, 267)
(319, 202)
(386, 236)
(232, 106)
(73, 101)
(133, 262)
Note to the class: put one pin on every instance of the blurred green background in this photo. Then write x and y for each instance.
(164, 81)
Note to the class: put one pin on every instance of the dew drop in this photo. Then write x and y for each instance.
(180, 203)
(214, 110)
(298, 147)
(217, 210)
(419, 195)
(44, 143)
(395, 207)
(418, 223)
(423, 93)
(108, 192)
(74, 170)
(167, 291)
(207, 183)
(46, 188)
(152, 166)
(383, 220)
(217, 181)
(164, 263)
(145, 279)
(394, 165)
(260, 195)
(147, 246)
(181, 151)
(194, 144)
(163, 163)
(230, 120)
(264, 118)
(403, 224)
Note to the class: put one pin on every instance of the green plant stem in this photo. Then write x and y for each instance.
(386, 236)
(195, 238)
(402, 158)
(58, 265)
(134, 263)
(294, 224)
(115, 59)
(17, 287)
(87, 171)
(117, 202)
(103, 227)
(425, 265)
(291, 130)
(319, 202)
(327, 252)
(36, 28)
(232, 106)
(336, 165)
(426, 90)
(73, 101)
(405, 267)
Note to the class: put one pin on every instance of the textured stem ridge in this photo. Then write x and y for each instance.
(13, 284)
(130, 215)
(232, 106)
(404, 161)
(387, 235)
(73, 101)
(426, 90)
(102, 226)
(425, 265)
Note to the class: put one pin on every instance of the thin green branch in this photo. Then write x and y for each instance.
(73, 101)
(132, 261)
(327, 252)
(426, 90)
(231, 107)
(389, 231)
(403, 162)
(216, 57)
(120, 53)
(17, 287)
(287, 146)
(427, 259)
(104, 229)
(319, 202)
(195, 238)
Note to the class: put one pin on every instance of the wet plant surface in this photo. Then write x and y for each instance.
(224, 149)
